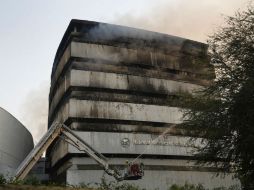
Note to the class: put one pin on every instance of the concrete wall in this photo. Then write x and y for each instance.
(123, 60)
(87, 109)
(118, 55)
(156, 174)
(154, 179)
(129, 82)
(112, 81)
(128, 144)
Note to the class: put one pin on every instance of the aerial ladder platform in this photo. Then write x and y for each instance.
(133, 171)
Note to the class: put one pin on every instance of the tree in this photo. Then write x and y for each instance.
(223, 112)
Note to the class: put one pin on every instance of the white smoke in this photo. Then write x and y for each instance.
(193, 19)
(34, 111)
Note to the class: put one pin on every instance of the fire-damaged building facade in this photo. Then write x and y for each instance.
(118, 88)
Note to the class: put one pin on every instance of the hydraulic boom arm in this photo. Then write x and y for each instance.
(60, 130)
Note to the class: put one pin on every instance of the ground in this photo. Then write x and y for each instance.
(31, 187)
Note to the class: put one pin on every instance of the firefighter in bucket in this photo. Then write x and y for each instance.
(134, 171)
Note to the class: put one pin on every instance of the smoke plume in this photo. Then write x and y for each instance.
(193, 19)
(34, 111)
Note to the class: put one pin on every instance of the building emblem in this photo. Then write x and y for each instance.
(125, 142)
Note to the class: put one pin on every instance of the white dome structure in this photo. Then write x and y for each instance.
(15, 143)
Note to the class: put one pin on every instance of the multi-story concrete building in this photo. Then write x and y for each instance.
(119, 89)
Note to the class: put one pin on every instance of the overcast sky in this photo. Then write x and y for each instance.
(30, 32)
